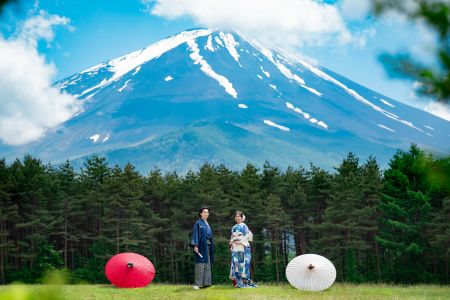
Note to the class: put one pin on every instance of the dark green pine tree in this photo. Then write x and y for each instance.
(405, 212)
(250, 203)
(295, 202)
(8, 217)
(31, 194)
(122, 224)
(180, 227)
(341, 231)
(270, 180)
(368, 217)
(94, 245)
(210, 193)
(276, 221)
(318, 192)
(134, 210)
(157, 217)
(439, 228)
(228, 183)
(270, 186)
(52, 217)
(94, 175)
(440, 240)
(66, 211)
(249, 195)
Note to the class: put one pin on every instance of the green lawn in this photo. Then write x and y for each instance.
(219, 292)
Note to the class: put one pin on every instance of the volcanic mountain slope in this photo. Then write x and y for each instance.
(220, 97)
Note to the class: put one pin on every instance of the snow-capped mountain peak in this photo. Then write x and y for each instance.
(217, 96)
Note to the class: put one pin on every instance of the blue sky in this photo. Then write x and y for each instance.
(99, 30)
(347, 40)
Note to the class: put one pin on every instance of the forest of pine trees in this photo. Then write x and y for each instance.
(374, 225)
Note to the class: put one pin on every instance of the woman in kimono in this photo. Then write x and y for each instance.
(202, 242)
(241, 254)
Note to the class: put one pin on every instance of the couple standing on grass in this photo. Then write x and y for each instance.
(241, 255)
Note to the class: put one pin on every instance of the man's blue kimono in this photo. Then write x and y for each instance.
(202, 237)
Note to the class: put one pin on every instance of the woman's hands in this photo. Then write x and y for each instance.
(195, 249)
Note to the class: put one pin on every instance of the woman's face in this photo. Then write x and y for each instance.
(204, 214)
(238, 218)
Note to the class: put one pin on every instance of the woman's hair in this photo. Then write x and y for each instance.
(201, 210)
(240, 213)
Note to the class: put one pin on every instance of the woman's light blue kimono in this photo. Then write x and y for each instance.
(241, 255)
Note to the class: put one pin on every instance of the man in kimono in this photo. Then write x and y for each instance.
(202, 242)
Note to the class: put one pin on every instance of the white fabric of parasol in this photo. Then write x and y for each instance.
(311, 272)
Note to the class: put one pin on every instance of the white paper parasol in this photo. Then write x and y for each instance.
(311, 272)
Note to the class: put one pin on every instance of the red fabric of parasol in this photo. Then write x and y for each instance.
(129, 270)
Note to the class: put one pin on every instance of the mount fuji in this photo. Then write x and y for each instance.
(220, 97)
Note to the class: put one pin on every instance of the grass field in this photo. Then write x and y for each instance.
(219, 292)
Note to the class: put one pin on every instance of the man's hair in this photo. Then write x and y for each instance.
(201, 210)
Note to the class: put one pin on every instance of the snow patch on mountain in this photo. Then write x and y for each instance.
(231, 45)
(273, 124)
(209, 45)
(136, 70)
(124, 86)
(385, 127)
(306, 115)
(91, 95)
(355, 95)
(265, 72)
(324, 125)
(314, 91)
(282, 68)
(206, 68)
(218, 41)
(288, 74)
(67, 83)
(101, 84)
(94, 138)
(124, 64)
(387, 103)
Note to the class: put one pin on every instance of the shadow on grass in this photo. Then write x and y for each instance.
(214, 288)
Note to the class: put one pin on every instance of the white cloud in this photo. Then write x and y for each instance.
(289, 22)
(355, 9)
(40, 27)
(426, 45)
(439, 109)
(29, 105)
(360, 38)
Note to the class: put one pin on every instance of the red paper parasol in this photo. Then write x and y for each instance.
(129, 270)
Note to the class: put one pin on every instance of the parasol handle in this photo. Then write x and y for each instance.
(130, 265)
(310, 267)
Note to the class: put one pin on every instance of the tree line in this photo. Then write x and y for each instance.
(374, 225)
